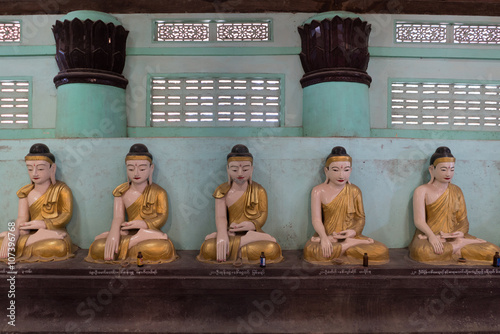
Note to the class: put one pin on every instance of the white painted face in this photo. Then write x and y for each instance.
(138, 171)
(39, 171)
(443, 172)
(240, 171)
(338, 172)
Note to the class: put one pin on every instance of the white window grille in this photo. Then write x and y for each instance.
(213, 30)
(447, 33)
(10, 32)
(420, 33)
(215, 101)
(445, 106)
(174, 32)
(14, 103)
(469, 34)
(243, 31)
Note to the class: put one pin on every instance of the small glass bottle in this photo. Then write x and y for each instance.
(140, 259)
(365, 260)
(496, 260)
(262, 260)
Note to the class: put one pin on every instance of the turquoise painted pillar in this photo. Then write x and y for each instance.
(335, 58)
(90, 54)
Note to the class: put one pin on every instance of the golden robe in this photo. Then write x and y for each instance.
(152, 207)
(251, 206)
(449, 214)
(345, 212)
(55, 208)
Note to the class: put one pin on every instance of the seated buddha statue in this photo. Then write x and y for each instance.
(338, 218)
(140, 210)
(440, 216)
(45, 208)
(240, 213)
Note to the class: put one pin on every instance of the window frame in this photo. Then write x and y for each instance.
(280, 76)
(450, 41)
(19, 21)
(30, 101)
(450, 81)
(212, 22)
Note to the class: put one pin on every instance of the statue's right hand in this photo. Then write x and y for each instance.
(436, 244)
(111, 246)
(222, 246)
(326, 247)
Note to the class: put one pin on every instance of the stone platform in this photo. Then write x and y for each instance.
(293, 296)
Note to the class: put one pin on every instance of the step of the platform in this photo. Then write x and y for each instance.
(289, 297)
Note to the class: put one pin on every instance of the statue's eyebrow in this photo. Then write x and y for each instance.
(130, 164)
(233, 166)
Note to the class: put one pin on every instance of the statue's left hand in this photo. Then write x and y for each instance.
(242, 227)
(33, 225)
(345, 234)
(134, 224)
(452, 235)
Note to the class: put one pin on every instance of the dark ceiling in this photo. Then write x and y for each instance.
(435, 7)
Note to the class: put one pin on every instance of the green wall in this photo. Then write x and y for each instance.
(386, 170)
(33, 57)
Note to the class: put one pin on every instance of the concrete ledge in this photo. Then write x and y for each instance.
(293, 296)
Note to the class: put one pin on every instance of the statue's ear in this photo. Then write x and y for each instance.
(151, 174)
(53, 169)
(228, 177)
(431, 171)
(251, 174)
(326, 176)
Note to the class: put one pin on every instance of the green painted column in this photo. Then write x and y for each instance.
(90, 88)
(90, 110)
(335, 58)
(336, 109)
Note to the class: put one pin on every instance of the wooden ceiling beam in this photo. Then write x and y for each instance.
(434, 7)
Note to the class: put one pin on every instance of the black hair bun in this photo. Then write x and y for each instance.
(339, 150)
(40, 149)
(239, 150)
(140, 149)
